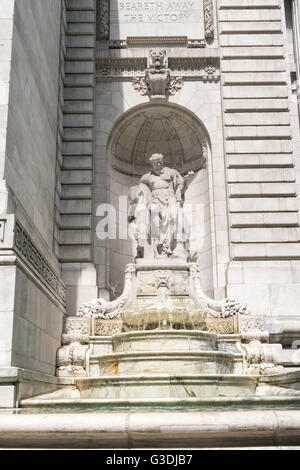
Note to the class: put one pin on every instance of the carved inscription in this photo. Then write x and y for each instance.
(156, 12)
(156, 18)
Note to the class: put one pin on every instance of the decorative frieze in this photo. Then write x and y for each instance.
(203, 69)
(108, 327)
(25, 248)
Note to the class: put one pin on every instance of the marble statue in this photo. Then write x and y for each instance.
(156, 214)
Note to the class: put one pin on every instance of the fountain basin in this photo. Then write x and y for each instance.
(157, 362)
(167, 386)
(167, 340)
(163, 312)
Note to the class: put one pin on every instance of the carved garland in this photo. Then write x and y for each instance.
(103, 19)
(208, 19)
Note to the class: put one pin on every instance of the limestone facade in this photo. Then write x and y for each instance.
(77, 118)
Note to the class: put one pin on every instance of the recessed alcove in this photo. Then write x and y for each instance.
(157, 128)
(180, 136)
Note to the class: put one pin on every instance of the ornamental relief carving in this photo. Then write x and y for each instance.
(24, 247)
(103, 19)
(158, 79)
(209, 19)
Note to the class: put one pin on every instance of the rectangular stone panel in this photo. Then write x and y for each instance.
(156, 18)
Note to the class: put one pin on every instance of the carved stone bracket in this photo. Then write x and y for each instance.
(259, 355)
(72, 356)
(157, 81)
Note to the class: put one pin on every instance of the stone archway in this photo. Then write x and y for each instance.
(180, 136)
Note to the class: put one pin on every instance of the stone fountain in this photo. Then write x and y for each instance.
(163, 341)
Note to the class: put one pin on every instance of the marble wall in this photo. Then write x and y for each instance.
(31, 294)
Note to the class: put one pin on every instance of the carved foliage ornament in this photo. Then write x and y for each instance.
(209, 19)
(100, 308)
(71, 357)
(103, 19)
(214, 308)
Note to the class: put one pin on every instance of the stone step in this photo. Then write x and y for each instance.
(172, 362)
(164, 341)
(167, 386)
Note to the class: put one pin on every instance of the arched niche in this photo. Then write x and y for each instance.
(180, 136)
(157, 128)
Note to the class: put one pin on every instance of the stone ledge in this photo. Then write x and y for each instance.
(151, 430)
(15, 374)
